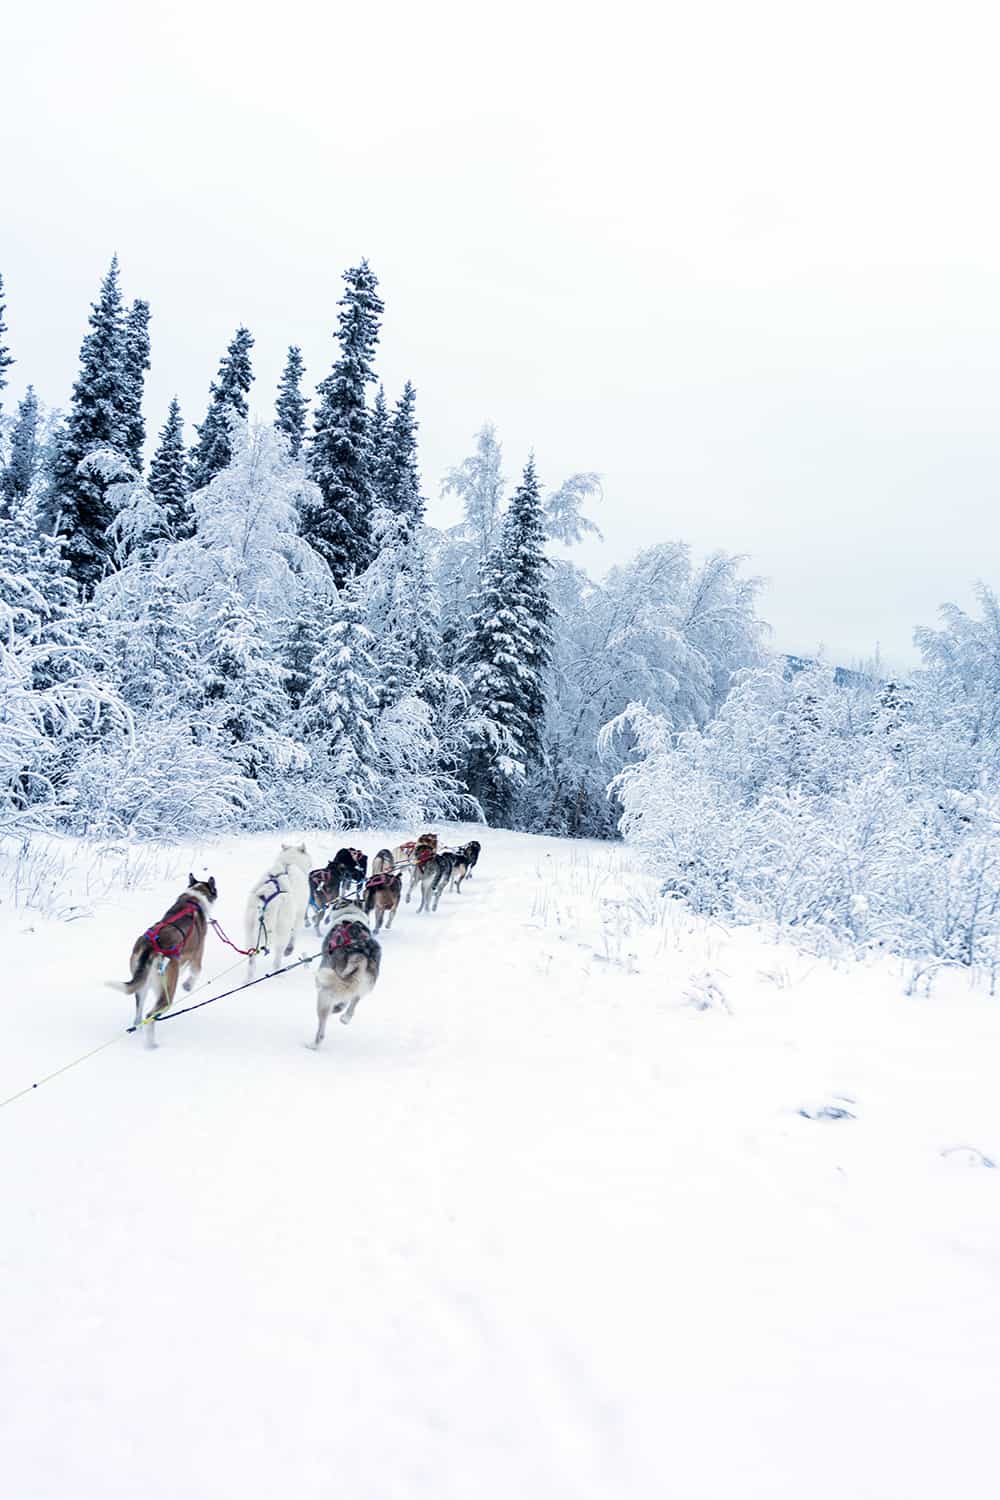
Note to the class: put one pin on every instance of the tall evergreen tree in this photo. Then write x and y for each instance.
(6, 358)
(291, 406)
(168, 481)
(96, 420)
(339, 527)
(24, 460)
(339, 711)
(228, 395)
(399, 476)
(35, 589)
(135, 363)
(508, 651)
(243, 682)
(378, 437)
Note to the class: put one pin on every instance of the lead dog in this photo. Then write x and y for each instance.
(382, 894)
(276, 907)
(348, 968)
(176, 942)
(465, 859)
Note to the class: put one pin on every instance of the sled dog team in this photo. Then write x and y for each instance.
(290, 897)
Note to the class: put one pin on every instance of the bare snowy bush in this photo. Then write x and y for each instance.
(869, 814)
(162, 783)
(64, 879)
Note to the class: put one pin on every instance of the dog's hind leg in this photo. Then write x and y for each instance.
(167, 977)
(324, 1004)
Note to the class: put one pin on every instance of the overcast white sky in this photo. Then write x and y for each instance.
(741, 258)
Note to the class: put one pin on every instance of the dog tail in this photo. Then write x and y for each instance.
(131, 986)
(365, 953)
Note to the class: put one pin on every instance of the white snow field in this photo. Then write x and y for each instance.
(544, 1221)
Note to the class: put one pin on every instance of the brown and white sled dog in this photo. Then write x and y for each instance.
(383, 892)
(175, 942)
(432, 874)
(348, 968)
(416, 855)
(276, 907)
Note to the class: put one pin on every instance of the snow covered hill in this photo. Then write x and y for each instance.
(592, 1199)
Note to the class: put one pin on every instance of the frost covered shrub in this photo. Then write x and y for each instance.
(160, 783)
(870, 811)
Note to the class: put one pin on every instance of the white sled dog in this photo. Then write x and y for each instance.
(348, 969)
(276, 907)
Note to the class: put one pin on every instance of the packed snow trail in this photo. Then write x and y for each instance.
(545, 1220)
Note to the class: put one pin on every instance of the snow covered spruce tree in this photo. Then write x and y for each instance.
(397, 478)
(168, 479)
(54, 701)
(97, 420)
(507, 653)
(24, 458)
(291, 406)
(135, 363)
(227, 397)
(338, 523)
(378, 432)
(339, 711)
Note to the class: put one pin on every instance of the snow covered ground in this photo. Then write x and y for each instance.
(546, 1220)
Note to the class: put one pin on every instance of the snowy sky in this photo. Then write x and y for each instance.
(741, 259)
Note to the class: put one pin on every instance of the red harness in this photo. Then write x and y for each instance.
(375, 882)
(152, 934)
(423, 855)
(342, 936)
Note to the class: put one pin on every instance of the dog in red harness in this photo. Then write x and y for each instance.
(348, 968)
(382, 895)
(174, 943)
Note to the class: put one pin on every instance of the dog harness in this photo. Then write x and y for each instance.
(423, 855)
(375, 882)
(152, 934)
(344, 935)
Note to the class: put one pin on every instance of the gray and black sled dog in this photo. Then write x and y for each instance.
(175, 942)
(348, 968)
(432, 874)
(276, 907)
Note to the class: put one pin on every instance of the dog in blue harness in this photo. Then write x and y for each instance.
(276, 907)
